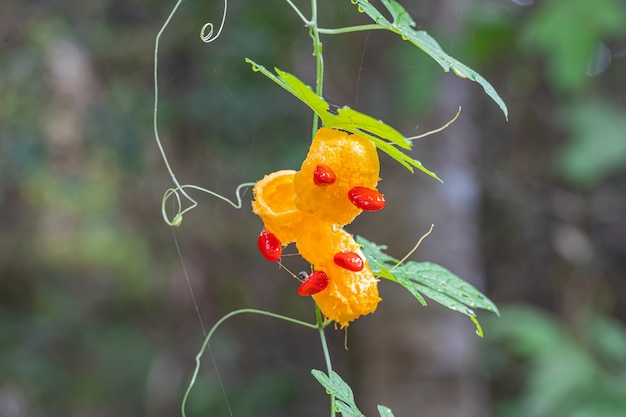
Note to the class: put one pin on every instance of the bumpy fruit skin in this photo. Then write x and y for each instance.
(310, 207)
(349, 295)
(352, 158)
(269, 246)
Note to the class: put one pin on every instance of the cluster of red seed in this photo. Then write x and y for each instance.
(336, 183)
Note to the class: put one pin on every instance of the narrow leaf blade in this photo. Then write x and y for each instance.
(384, 411)
(385, 137)
(404, 26)
(334, 385)
(445, 282)
(429, 279)
(337, 387)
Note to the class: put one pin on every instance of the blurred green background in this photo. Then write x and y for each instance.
(96, 315)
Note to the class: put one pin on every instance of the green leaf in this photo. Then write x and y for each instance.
(441, 280)
(346, 410)
(384, 136)
(344, 398)
(404, 26)
(428, 279)
(384, 411)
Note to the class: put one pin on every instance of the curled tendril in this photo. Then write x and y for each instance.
(206, 33)
(178, 205)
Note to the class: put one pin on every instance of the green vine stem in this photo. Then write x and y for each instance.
(319, 326)
(207, 35)
(319, 86)
(319, 59)
(329, 366)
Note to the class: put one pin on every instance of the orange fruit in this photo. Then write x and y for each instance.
(349, 294)
(353, 160)
(274, 204)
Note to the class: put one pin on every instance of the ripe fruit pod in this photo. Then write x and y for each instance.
(352, 158)
(315, 283)
(366, 198)
(349, 260)
(274, 204)
(349, 294)
(269, 246)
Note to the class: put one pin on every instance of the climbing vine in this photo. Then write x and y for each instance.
(336, 182)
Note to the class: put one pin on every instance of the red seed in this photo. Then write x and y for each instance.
(270, 246)
(366, 198)
(349, 260)
(323, 175)
(316, 282)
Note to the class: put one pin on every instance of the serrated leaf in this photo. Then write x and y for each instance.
(347, 410)
(334, 385)
(404, 26)
(344, 398)
(434, 295)
(384, 136)
(445, 282)
(384, 411)
(375, 252)
(429, 279)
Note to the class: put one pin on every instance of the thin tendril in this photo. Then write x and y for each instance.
(417, 245)
(206, 33)
(178, 217)
(156, 104)
(423, 135)
(205, 344)
(350, 29)
(298, 12)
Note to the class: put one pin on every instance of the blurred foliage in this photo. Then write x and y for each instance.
(569, 32)
(597, 144)
(577, 371)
